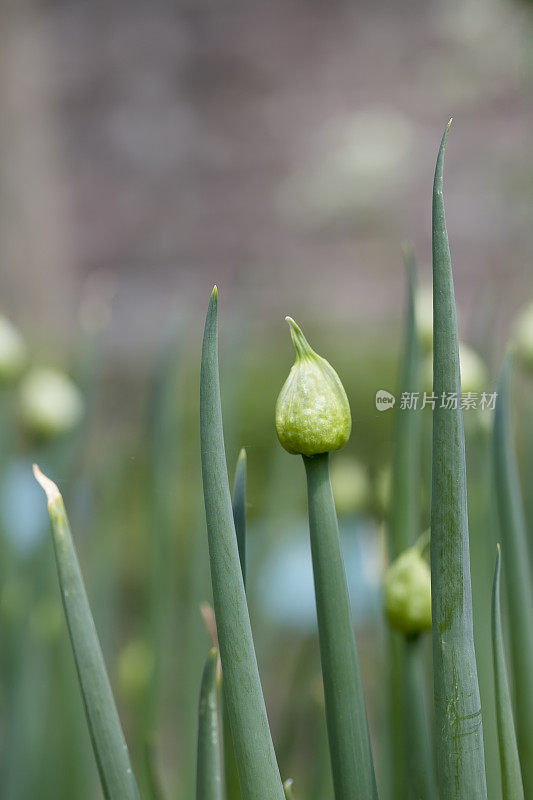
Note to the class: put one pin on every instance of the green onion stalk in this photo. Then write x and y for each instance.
(517, 571)
(512, 788)
(312, 419)
(403, 525)
(254, 751)
(233, 791)
(459, 728)
(209, 770)
(110, 749)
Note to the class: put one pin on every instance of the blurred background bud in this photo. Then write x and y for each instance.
(50, 404)
(13, 351)
(350, 484)
(408, 593)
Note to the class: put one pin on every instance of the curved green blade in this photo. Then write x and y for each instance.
(233, 790)
(516, 564)
(512, 788)
(254, 752)
(209, 782)
(460, 757)
(112, 758)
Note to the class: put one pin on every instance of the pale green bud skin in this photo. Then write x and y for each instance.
(50, 404)
(523, 337)
(312, 411)
(408, 593)
(13, 352)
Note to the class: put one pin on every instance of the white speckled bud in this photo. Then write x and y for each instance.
(312, 410)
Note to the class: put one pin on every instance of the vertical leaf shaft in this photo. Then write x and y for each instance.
(254, 752)
(417, 742)
(517, 570)
(403, 525)
(118, 781)
(461, 764)
(512, 788)
(209, 783)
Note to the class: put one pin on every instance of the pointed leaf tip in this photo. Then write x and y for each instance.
(301, 345)
(242, 455)
(48, 486)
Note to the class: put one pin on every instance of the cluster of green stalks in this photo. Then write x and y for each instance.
(236, 759)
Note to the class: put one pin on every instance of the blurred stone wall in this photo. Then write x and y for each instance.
(281, 149)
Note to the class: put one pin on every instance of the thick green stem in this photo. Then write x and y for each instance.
(517, 570)
(349, 741)
(459, 729)
(512, 788)
(254, 752)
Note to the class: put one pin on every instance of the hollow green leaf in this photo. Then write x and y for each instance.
(403, 522)
(417, 742)
(116, 775)
(512, 788)
(459, 729)
(209, 778)
(233, 790)
(254, 752)
(349, 741)
(239, 509)
(513, 535)
(405, 486)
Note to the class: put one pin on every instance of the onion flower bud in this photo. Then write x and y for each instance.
(312, 410)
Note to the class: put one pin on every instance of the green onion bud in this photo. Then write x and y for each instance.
(13, 352)
(312, 410)
(50, 404)
(408, 593)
